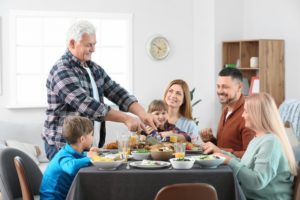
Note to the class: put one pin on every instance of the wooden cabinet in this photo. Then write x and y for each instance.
(270, 70)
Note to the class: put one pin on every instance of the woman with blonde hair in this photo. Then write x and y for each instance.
(177, 97)
(267, 168)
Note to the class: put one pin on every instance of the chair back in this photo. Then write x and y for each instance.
(9, 184)
(297, 185)
(191, 191)
(23, 179)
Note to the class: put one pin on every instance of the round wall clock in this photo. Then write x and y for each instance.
(158, 47)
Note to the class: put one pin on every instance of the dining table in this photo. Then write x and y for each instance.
(129, 183)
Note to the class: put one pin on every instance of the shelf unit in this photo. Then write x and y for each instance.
(270, 68)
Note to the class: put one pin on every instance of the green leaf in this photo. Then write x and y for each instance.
(195, 103)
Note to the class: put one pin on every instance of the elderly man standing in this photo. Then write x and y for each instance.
(232, 135)
(76, 86)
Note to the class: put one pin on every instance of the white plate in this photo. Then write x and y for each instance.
(155, 165)
(210, 162)
(108, 165)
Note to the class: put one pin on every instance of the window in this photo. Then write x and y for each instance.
(37, 40)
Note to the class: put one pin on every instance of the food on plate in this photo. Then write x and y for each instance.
(182, 159)
(207, 157)
(142, 151)
(161, 147)
(101, 159)
(112, 145)
(191, 146)
(149, 163)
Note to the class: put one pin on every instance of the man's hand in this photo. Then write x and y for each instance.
(206, 135)
(210, 148)
(133, 124)
(145, 117)
(149, 120)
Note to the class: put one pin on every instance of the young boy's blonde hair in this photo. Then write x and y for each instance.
(157, 105)
(75, 126)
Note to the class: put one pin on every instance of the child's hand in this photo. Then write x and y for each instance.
(95, 149)
(166, 133)
(149, 129)
(91, 154)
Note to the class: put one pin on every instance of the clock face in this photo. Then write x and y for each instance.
(158, 47)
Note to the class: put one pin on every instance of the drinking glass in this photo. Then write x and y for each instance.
(123, 145)
(133, 141)
(173, 138)
(179, 150)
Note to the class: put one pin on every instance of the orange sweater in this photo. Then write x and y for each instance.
(232, 135)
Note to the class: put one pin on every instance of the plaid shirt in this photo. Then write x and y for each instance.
(69, 93)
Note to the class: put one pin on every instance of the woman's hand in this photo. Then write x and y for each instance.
(227, 158)
(209, 147)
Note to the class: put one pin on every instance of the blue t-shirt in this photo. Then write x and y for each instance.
(60, 173)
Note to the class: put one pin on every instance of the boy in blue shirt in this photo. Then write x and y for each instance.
(62, 169)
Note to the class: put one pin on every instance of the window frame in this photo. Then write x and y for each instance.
(14, 102)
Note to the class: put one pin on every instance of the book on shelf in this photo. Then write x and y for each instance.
(254, 85)
(245, 89)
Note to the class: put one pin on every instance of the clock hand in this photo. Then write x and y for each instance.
(157, 46)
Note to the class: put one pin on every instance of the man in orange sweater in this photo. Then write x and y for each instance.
(232, 135)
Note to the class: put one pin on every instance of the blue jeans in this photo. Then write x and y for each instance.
(50, 150)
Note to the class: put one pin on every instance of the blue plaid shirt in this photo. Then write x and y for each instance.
(69, 92)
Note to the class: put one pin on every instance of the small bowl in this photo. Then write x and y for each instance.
(186, 163)
(140, 155)
(208, 161)
(161, 155)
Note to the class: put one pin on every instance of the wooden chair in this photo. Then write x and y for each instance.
(191, 191)
(23, 179)
(10, 184)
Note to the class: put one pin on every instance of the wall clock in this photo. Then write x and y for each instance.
(158, 47)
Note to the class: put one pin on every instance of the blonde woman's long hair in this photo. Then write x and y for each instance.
(186, 108)
(264, 116)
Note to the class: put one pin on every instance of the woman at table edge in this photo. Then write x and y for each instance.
(267, 168)
(177, 97)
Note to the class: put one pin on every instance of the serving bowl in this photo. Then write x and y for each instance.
(161, 155)
(186, 163)
(140, 155)
(208, 161)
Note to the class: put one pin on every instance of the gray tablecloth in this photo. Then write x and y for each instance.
(140, 184)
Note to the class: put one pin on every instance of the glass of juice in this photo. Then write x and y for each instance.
(179, 150)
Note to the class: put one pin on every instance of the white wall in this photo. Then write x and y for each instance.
(171, 18)
(281, 20)
(195, 29)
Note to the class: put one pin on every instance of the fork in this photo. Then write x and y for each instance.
(127, 166)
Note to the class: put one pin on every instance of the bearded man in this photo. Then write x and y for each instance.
(232, 135)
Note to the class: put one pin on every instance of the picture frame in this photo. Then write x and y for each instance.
(254, 85)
